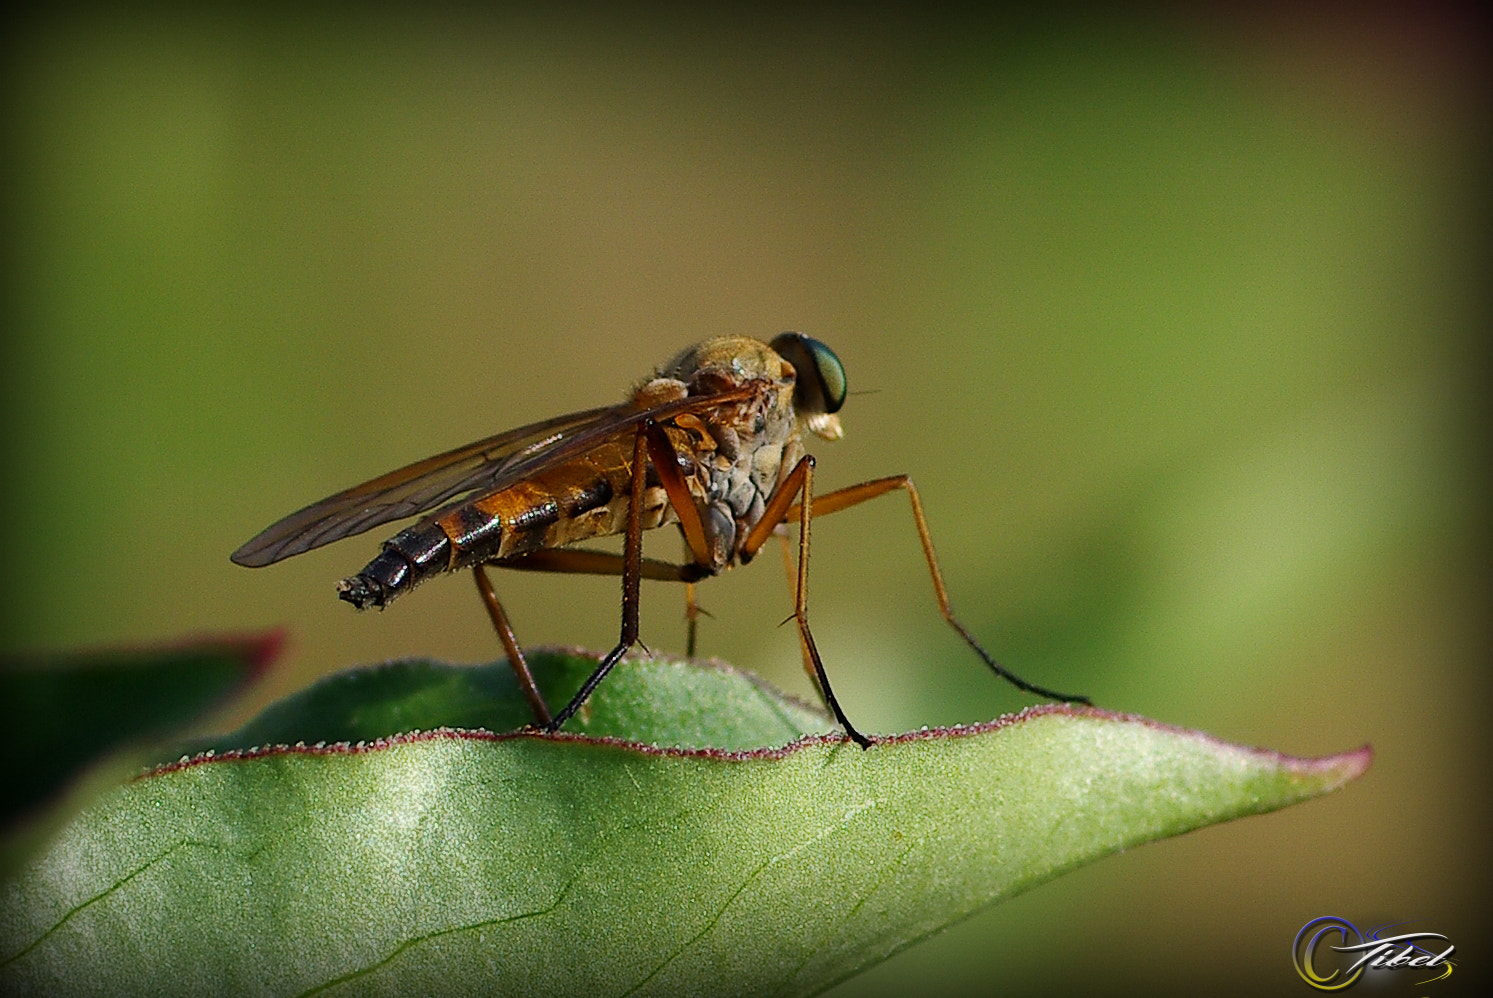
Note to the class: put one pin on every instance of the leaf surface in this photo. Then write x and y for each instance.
(459, 862)
(77, 720)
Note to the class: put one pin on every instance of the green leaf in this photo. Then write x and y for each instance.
(655, 701)
(72, 720)
(451, 862)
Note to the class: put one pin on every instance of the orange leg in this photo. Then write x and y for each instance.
(800, 482)
(854, 495)
(666, 464)
(581, 561)
(565, 560)
(693, 611)
(650, 439)
(792, 575)
(691, 619)
(510, 645)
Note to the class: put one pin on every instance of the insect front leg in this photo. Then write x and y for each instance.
(700, 543)
(854, 495)
(799, 483)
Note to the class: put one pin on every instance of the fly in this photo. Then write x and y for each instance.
(712, 443)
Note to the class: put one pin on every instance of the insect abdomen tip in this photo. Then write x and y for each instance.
(361, 591)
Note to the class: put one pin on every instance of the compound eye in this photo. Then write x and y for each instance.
(821, 377)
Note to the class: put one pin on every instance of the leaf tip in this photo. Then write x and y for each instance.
(1344, 767)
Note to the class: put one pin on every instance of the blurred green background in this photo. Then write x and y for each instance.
(1177, 320)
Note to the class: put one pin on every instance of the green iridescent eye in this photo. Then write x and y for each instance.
(821, 377)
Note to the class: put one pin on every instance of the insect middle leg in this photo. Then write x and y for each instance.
(779, 507)
(854, 495)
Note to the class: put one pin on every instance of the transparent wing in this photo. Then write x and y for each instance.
(415, 488)
(487, 466)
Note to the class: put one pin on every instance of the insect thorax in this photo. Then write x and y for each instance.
(738, 456)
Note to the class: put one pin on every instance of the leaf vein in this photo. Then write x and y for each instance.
(411, 943)
(850, 913)
(715, 920)
(101, 895)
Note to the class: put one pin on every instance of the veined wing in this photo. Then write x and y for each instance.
(412, 489)
(487, 465)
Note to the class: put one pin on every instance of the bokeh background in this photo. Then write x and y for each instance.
(1178, 320)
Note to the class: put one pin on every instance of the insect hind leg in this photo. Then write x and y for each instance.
(515, 654)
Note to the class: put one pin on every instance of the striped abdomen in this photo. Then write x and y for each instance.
(584, 498)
